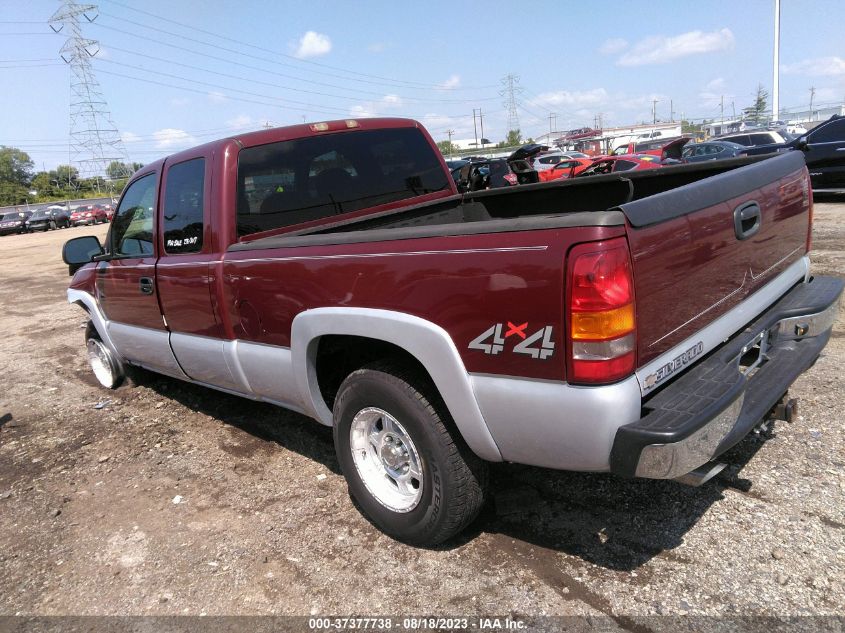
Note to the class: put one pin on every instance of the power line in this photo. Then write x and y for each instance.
(420, 85)
(275, 73)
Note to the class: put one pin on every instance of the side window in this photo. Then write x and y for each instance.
(132, 226)
(183, 207)
(623, 165)
(834, 131)
(761, 139)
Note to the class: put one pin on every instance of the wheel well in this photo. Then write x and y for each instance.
(340, 355)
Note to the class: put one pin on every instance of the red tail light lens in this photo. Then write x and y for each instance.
(602, 336)
(510, 179)
(807, 191)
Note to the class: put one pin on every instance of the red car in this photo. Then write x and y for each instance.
(626, 162)
(567, 168)
(89, 214)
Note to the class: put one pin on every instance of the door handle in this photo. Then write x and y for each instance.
(747, 218)
(147, 285)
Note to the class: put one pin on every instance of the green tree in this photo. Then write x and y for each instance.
(513, 139)
(117, 169)
(447, 148)
(757, 111)
(15, 175)
(68, 177)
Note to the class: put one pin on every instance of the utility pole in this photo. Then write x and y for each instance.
(671, 111)
(449, 133)
(601, 121)
(552, 116)
(812, 94)
(94, 140)
(654, 111)
(722, 108)
(775, 63)
(481, 120)
(475, 128)
(510, 92)
(733, 110)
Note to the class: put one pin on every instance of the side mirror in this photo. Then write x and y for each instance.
(802, 143)
(79, 251)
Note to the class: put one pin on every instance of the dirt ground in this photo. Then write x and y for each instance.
(165, 498)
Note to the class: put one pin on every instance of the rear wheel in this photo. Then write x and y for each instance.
(103, 363)
(407, 467)
(52, 225)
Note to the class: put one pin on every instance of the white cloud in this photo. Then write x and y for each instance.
(362, 111)
(172, 137)
(714, 92)
(613, 46)
(312, 44)
(819, 67)
(129, 137)
(577, 99)
(179, 102)
(452, 82)
(661, 49)
(240, 121)
(376, 108)
(216, 97)
(377, 47)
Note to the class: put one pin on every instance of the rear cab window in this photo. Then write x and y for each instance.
(290, 182)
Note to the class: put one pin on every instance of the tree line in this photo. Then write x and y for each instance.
(21, 184)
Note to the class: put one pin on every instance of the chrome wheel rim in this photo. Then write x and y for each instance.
(386, 459)
(100, 360)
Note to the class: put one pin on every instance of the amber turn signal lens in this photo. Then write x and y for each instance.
(603, 324)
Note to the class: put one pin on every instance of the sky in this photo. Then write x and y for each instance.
(178, 73)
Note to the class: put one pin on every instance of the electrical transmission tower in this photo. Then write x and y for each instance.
(94, 139)
(510, 93)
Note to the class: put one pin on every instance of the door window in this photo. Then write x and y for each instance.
(132, 227)
(834, 131)
(183, 207)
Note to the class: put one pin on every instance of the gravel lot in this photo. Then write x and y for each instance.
(172, 499)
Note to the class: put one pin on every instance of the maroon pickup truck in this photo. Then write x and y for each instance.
(638, 323)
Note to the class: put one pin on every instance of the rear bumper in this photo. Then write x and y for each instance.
(711, 407)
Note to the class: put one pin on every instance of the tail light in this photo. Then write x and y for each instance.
(602, 337)
(510, 179)
(807, 192)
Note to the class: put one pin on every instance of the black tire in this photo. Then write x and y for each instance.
(454, 479)
(52, 226)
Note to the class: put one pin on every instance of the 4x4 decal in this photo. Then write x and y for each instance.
(537, 345)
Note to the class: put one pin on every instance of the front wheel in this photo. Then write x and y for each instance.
(408, 469)
(105, 366)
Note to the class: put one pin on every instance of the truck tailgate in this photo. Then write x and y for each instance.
(701, 249)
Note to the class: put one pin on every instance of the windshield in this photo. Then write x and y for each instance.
(40, 214)
(14, 215)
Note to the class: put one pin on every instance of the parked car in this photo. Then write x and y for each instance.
(752, 137)
(712, 150)
(493, 173)
(662, 147)
(49, 218)
(13, 222)
(455, 168)
(625, 162)
(547, 160)
(566, 169)
(824, 153)
(88, 214)
(600, 325)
